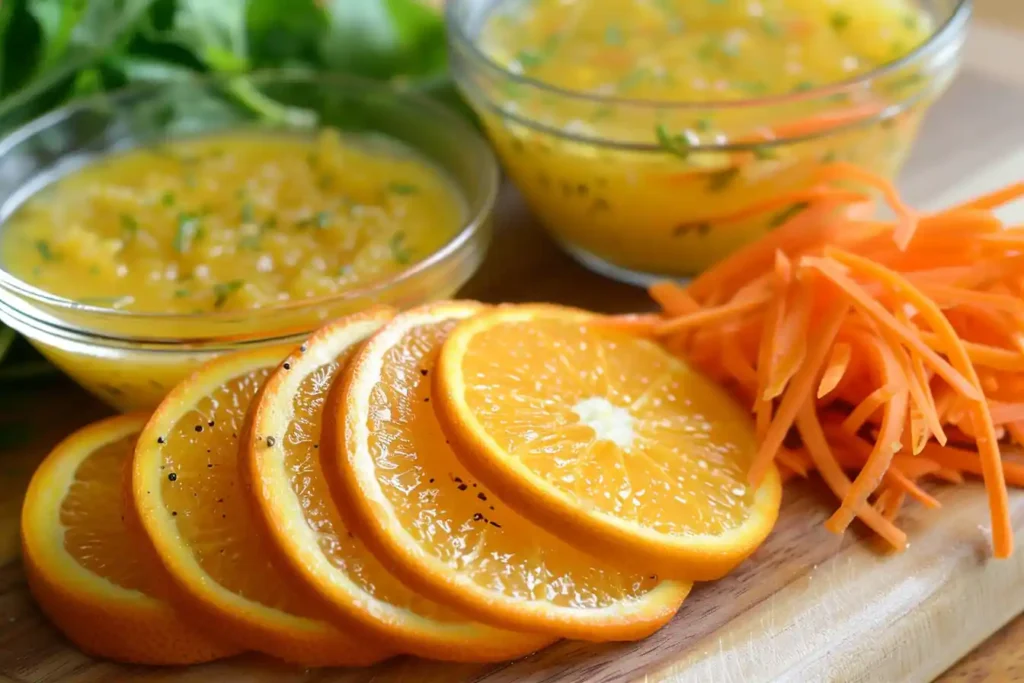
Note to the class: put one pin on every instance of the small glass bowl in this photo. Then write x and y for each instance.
(636, 208)
(131, 360)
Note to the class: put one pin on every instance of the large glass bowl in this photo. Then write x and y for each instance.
(638, 208)
(130, 360)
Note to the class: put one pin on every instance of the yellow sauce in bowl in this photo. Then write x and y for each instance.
(232, 222)
(641, 132)
(177, 252)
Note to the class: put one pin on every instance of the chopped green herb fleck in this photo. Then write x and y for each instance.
(910, 22)
(719, 180)
(764, 153)
(634, 78)
(771, 27)
(321, 219)
(839, 20)
(753, 87)
(674, 144)
(343, 270)
(188, 229)
(530, 59)
(399, 251)
(613, 35)
(270, 223)
(167, 199)
(783, 216)
(905, 82)
(223, 290)
(403, 188)
(803, 86)
(94, 270)
(248, 212)
(702, 125)
(250, 242)
(129, 224)
(182, 293)
(602, 113)
(45, 250)
(708, 49)
(829, 156)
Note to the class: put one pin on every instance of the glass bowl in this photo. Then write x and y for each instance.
(131, 360)
(642, 190)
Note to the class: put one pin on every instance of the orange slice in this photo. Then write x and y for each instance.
(189, 496)
(605, 439)
(87, 572)
(441, 531)
(304, 525)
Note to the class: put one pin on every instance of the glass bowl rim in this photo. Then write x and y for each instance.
(953, 25)
(438, 116)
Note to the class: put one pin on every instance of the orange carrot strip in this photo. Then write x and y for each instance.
(822, 121)
(868, 407)
(908, 217)
(894, 414)
(952, 476)
(971, 462)
(912, 339)
(993, 200)
(838, 362)
(673, 299)
(1003, 413)
(906, 485)
(984, 355)
(765, 354)
(711, 316)
(789, 344)
(986, 440)
(947, 296)
(799, 390)
(809, 229)
(792, 461)
(825, 462)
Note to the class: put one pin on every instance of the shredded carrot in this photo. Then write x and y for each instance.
(863, 411)
(879, 342)
(838, 361)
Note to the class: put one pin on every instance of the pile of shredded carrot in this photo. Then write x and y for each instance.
(874, 352)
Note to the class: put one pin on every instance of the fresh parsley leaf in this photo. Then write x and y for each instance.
(46, 251)
(222, 290)
(677, 144)
(186, 232)
(399, 250)
(403, 188)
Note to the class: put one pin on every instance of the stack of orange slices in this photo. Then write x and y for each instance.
(460, 482)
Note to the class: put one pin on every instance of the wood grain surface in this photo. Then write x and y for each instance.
(808, 606)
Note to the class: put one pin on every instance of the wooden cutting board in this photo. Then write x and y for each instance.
(808, 606)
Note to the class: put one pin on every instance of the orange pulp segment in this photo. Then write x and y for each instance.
(305, 529)
(189, 494)
(444, 533)
(605, 439)
(94, 580)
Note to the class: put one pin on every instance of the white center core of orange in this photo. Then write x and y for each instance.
(609, 422)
